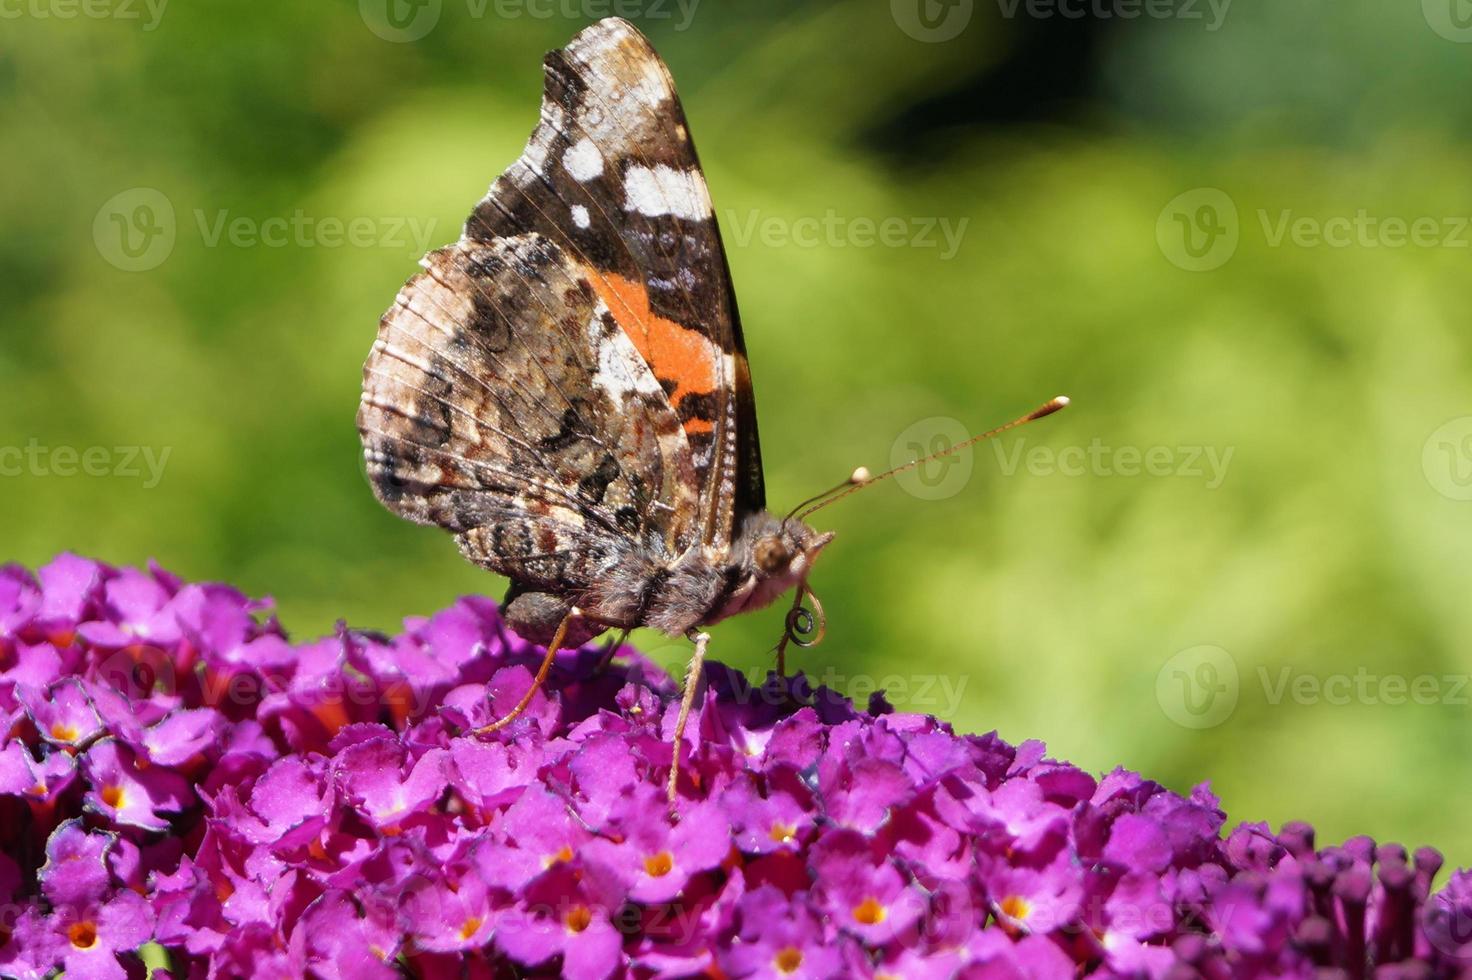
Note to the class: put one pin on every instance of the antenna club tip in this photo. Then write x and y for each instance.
(1056, 405)
(860, 476)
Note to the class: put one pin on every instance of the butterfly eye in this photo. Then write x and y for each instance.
(771, 554)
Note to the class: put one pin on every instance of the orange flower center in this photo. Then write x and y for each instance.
(782, 833)
(787, 960)
(112, 796)
(869, 912)
(63, 732)
(1016, 907)
(558, 857)
(83, 935)
(470, 927)
(659, 865)
(578, 918)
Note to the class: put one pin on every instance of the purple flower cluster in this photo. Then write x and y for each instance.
(177, 776)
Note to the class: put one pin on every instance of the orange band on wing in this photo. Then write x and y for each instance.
(674, 352)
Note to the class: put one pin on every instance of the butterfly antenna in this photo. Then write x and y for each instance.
(862, 478)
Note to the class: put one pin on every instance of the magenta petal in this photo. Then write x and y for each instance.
(182, 736)
(528, 939)
(63, 714)
(128, 795)
(76, 871)
(1138, 843)
(593, 953)
(20, 598)
(69, 587)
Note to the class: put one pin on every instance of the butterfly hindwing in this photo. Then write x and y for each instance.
(504, 403)
(610, 175)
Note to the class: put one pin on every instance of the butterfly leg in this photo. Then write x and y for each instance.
(574, 614)
(612, 650)
(692, 683)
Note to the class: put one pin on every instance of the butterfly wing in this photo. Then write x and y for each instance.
(610, 175)
(503, 402)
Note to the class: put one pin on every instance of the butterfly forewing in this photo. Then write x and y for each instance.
(610, 175)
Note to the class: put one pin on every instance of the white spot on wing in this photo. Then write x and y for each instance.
(621, 371)
(583, 161)
(535, 157)
(664, 190)
(580, 216)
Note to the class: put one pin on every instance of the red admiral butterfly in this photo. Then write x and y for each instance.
(565, 388)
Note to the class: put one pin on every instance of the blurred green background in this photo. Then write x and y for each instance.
(1200, 222)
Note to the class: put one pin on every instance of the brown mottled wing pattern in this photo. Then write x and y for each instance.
(503, 402)
(610, 176)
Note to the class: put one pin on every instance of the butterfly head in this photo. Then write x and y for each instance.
(788, 549)
(780, 554)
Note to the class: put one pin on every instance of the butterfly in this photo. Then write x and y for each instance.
(566, 390)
